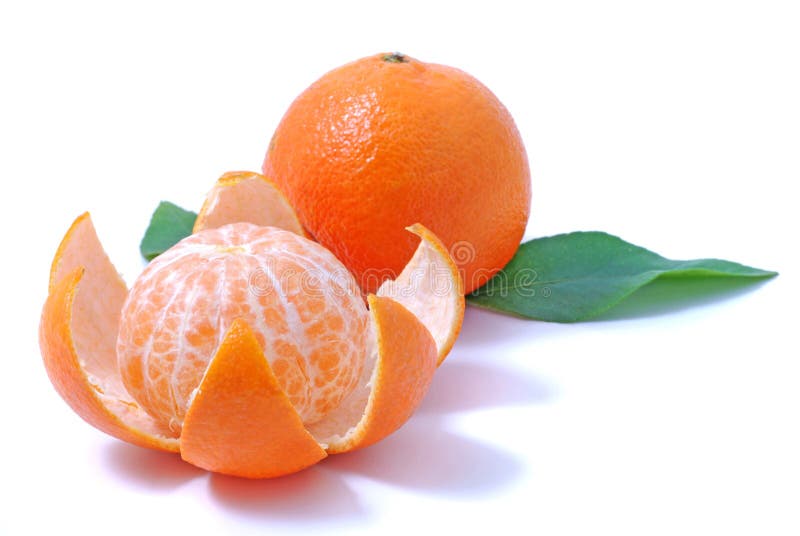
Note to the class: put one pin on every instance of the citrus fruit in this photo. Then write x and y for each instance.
(247, 349)
(388, 140)
(304, 309)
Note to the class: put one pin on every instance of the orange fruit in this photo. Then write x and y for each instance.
(247, 349)
(303, 306)
(388, 140)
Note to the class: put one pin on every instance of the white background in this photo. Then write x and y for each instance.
(673, 124)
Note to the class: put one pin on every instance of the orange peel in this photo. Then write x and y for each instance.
(240, 420)
(224, 428)
(398, 376)
(246, 196)
(77, 335)
(431, 288)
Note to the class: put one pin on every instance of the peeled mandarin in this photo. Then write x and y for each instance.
(303, 306)
(247, 349)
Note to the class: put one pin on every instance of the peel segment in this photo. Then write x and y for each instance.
(240, 422)
(395, 381)
(431, 287)
(77, 335)
(246, 196)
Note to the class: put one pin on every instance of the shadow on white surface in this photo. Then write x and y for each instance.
(313, 494)
(310, 495)
(425, 457)
(667, 296)
(466, 385)
(151, 470)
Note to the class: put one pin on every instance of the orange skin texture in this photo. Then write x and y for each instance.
(375, 145)
(241, 422)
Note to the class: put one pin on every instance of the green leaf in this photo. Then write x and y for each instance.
(169, 224)
(576, 276)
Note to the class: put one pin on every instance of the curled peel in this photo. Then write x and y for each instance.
(395, 379)
(239, 421)
(431, 288)
(77, 336)
(246, 196)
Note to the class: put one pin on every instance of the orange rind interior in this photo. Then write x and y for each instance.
(429, 287)
(77, 336)
(239, 421)
(249, 197)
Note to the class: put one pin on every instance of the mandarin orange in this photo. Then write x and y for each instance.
(208, 372)
(387, 140)
(304, 308)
